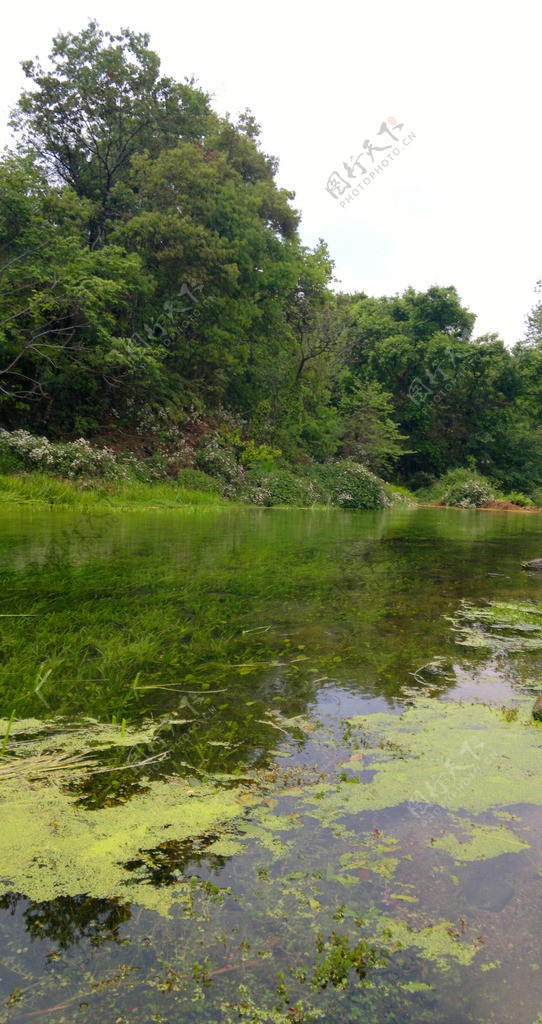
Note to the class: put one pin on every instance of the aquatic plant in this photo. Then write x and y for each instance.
(500, 626)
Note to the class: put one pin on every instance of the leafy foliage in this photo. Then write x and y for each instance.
(350, 485)
(149, 260)
(463, 488)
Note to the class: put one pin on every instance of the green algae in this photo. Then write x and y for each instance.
(375, 854)
(459, 756)
(439, 943)
(466, 758)
(479, 842)
(30, 736)
(52, 847)
(55, 847)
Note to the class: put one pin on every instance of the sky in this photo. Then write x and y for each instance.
(458, 203)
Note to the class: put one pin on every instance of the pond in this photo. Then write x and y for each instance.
(270, 765)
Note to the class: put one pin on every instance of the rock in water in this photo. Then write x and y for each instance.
(535, 564)
(537, 709)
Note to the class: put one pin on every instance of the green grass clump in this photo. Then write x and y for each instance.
(40, 489)
(518, 498)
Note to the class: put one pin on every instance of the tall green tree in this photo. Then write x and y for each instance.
(65, 309)
(103, 100)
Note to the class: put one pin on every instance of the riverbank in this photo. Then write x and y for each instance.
(41, 490)
(78, 474)
(37, 490)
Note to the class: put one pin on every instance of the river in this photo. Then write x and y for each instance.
(319, 795)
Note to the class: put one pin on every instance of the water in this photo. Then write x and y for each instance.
(248, 639)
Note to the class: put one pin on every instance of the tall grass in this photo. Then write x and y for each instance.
(41, 490)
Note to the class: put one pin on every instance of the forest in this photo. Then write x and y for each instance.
(157, 304)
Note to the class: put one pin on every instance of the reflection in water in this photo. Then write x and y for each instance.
(68, 920)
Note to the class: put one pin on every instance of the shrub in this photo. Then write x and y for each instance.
(518, 498)
(263, 456)
(350, 485)
(421, 479)
(195, 480)
(217, 456)
(462, 488)
(21, 450)
(282, 487)
(400, 495)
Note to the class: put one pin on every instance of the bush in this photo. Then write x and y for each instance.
(282, 487)
(350, 485)
(518, 498)
(421, 480)
(217, 456)
(195, 480)
(21, 450)
(344, 484)
(400, 495)
(259, 456)
(462, 488)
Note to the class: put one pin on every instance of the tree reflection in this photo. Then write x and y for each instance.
(68, 920)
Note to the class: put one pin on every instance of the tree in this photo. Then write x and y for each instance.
(139, 168)
(369, 434)
(64, 308)
(318, 319)
(199, 228)
(533, 323)
(103, 101)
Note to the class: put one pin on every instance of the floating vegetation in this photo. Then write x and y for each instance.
(476, 842)
(30, 767)
(458, 756)
(501, 626)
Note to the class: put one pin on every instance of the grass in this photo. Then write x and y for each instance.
(40, 490)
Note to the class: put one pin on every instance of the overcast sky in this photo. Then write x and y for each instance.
(460, 205)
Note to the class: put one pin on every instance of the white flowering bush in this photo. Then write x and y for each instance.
(21, 450)
(282, 487)
(465, 489)
(350, 485)
(218, 457)
(343, 484)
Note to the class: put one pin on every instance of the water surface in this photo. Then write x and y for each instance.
(250, 638)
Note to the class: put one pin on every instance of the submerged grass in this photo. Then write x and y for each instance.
(500, 626)
(309, 882)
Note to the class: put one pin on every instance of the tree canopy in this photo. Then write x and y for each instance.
(148, 257)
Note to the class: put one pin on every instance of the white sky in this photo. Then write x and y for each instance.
(460, 207)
